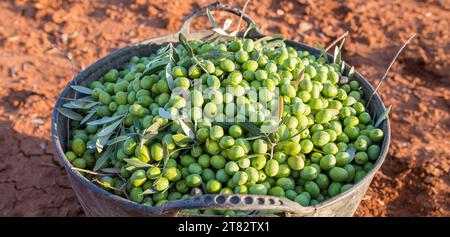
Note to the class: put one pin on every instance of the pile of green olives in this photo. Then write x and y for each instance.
(323, 143)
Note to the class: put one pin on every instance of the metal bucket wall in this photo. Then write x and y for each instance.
(98, 202)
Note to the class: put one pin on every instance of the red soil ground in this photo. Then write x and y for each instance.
(414, 180)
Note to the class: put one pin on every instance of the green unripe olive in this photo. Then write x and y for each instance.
(373, 152)
(79, 163)
(322, 181)
(222, 176)
(330, 148)
(259, 146)
(212, 147)
(216, 132)
(193, 180)
(258, 162)
(327, 162)
(227, 65)
(283, 171)
(309, 173)
(157, 151)
(253, 175)
(226, 142)
(257, 189)
(271, 168)
(338, 174)
(136, 195)
(71, 156)
(213, 186)
(138, 178)
(276, 191)
(231, 168)
(218, 162)
(303, 199)
(208, 174)
(153, 173)
(295, 162)
(312, 188)
(285, 183)
(359, 175)
(361, 158)
(240, 178)
(306, 146)
(280, 157)
(376, 135)
(236, 152)
(320, 138)
(78, 146)
(292, 148)
(240, 189)
(172, 174)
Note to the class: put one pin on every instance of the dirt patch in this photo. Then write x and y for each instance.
(414, 179)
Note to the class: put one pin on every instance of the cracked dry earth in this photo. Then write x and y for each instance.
(414, 180)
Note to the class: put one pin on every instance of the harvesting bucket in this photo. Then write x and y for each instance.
(99, 202)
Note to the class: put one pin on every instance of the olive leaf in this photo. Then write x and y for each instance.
(169, 76)
(137, 163)
(150, 191)
(184, 42)
(111, 170)
(117, 139)
(109, 129)
(105, 120)
(164, 114)
(186, 129)
(74, 105)
(215, 54)
(336, 55)
(82, 89)
(299, 78)
(274, 44)
(90, 105)
(101, 142)
(220, 31)
(137, 125)
(351, 73)
(352, 152)
(280, 107)
(150, 133)
(323, 52)
(103, 158)
(211, 18)
(181, 140)
(227, 24)
(87, 117)
(156, 64)
(383, 116)
(70, 114)
(269, 37)
(252, 128)
(342, 67)
(130, 168)
(164, 49)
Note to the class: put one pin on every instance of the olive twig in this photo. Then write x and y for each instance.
(390, 65)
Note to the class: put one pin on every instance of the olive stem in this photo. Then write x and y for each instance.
(390, 65)
(242, 15)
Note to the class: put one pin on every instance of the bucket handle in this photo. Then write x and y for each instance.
(217, 6)
(236, 202)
